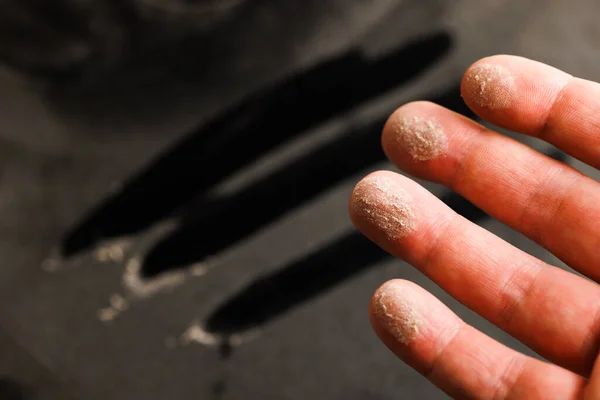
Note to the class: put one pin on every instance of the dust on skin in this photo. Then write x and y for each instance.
(397, 313)
(422, 138)
(490, 86)
(380, 201)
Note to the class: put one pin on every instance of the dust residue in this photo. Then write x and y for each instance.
(142, 288)
(110, 251)
(422, 138)
(113, 251)
(51, 264)
(397, 313)
(197, 334)
(117, 305)
(380, 201)
(490, 86)
(139, 289)
(107, 314)
(118, 302)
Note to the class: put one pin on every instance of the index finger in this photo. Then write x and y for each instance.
(538, 100)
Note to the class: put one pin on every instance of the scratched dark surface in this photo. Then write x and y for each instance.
(213, 200)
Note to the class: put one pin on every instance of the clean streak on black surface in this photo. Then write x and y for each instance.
(239, 136)
(231, 219)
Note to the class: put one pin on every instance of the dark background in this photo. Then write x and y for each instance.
(203, 187)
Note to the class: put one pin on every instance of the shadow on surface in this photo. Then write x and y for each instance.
(236, 217)
(12, 390)
(244, 133)
(270, 296)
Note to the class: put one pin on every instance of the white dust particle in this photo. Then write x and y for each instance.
(107, 314)
(118, 302)
(113, 251)
(196, 334)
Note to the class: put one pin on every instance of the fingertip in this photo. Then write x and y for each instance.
(413, 130)
(511, 91)
(489, 84)
(360, 193)
(381, 208)
(394, 311)
(411, 322)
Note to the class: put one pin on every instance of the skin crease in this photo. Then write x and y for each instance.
(554, 312)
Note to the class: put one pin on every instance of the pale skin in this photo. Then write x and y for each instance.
(554, 312)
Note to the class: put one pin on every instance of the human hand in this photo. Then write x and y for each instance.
(554, 312)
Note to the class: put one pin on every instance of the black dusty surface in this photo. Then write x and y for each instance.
(188, 237)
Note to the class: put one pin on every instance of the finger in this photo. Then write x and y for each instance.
(460, 360)
(592, 390)
(538, 100)
(546, 200)
(550, 310)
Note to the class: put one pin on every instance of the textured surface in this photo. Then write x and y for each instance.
(490, 86)
(267, 282)
(384, 205)
(424, 139)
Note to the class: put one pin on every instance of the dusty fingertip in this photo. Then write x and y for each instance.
(490, 86)
(421, 137)
(396, 311)
(380, 202)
